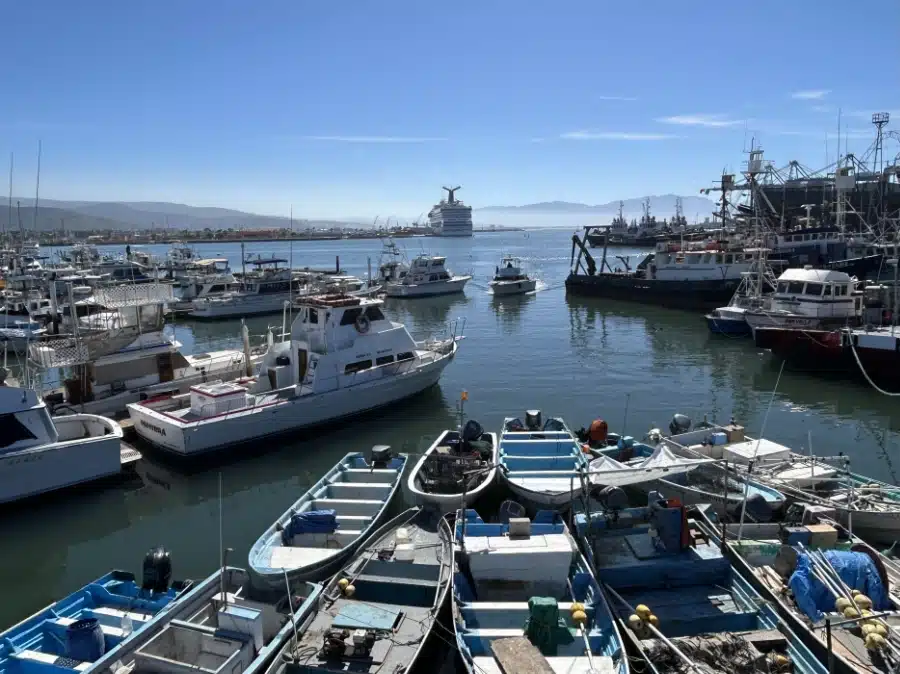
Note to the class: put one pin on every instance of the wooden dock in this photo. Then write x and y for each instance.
(128, 455)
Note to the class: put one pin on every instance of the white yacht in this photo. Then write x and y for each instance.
(451, 217)
(16, 335)
(810, 299)
(262, 291)
(427, 276)
(39, 453)
(509, 279)
(343, 358)
(207, 277)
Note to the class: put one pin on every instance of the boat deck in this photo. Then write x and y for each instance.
(542, 461)
(396, 601)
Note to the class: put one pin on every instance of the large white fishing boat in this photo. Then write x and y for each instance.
(39, 453)
(263, 291)
(343, 358)
(451, 217)
(427, 276)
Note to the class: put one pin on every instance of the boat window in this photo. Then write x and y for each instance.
(384, 360)
(844, 289)
(12, 431)
(814, 289)
(828, 290)
(718, 258)
(358, 366)
(313, 316)
(795, 287)
(219, 287)
(406, 355)
(350, 316)
(374, 314)
(729, 259)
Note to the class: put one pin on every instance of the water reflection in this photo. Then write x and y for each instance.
(508, 309)
(427, 314)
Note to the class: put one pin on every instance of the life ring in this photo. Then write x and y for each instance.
(362, 324)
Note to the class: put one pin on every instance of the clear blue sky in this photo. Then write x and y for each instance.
(365, 107)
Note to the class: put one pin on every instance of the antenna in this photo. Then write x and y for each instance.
(37, 190)
(880, 120)
(9, 213)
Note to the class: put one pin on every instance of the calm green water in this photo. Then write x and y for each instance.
(632, 365)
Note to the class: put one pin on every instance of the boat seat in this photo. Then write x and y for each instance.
(51, 661)
(108, 630)
(560, 665)
(361, 475)
(353, 519)
(348, 506)
(102, 611)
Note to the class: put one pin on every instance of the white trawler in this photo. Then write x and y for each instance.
(451, 217)
(427, 276)
(509, 279)
(343, 358)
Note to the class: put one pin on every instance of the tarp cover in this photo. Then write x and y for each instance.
(856, 569)
(661, 464)
(311, 522)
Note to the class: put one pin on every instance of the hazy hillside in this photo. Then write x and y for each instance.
(52, 218)
(565, 213)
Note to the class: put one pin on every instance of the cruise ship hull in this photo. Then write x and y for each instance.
(700, 295)
(210, 434)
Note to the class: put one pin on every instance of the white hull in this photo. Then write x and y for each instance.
(240, 306)
(769, 320)
(455, 285)
(456, 233)
(513, 287)
(45, 468)
(447, 503)
(214, 433)
(541, 499)
(881, 527)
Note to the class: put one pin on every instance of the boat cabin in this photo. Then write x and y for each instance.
(427, 269)
(268, 277)
(817, 292)
(510, 269)
(24, 420)
(697, 261)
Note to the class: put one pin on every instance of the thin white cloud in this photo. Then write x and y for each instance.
(811, 94)
(616, 98)
(376, 139)
(822, 108)
(615, 135)
(712, 121)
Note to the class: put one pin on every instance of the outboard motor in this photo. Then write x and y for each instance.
(613, 499)
(680, 424)
(157, 570)
(472, 431)
(533, 420)
(381, 456)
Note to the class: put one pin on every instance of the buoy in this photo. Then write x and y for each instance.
(643, 611)
(863, 601)
(780, 661)
(343, 583)
(635, 622)
(349, 590)
(856, 593)
(867, 629)
(874, 641)
(880, 630)
(577, 606)
(841, 604)
(653, 620)
(579, 617)
(850, 613)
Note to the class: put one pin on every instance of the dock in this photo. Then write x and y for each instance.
(128, 455)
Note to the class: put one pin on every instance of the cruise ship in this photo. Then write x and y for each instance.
(451, 217)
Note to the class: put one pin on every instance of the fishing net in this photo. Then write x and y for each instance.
(721, 653)
(544, 627)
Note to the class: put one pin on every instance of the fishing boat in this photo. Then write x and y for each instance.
(41, 453)
(376, 614)
(223, 625)
(680, 602)
(872, 506)
(706, 482)
(774, 569)
(541, 463)
(458, 467)
(427, 276)
(326, 525)
(752, 294)
(522, 592)
(88, 630)
(509, 279)
(16, 335)
(343, 358)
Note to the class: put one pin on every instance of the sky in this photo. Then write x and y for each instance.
(361, 108)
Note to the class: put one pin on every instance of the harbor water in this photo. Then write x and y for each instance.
(633, 365)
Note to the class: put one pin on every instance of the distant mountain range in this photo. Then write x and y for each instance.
(566, 213)
(97, 215)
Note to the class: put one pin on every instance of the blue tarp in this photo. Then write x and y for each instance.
(856, 569)
(310, 522)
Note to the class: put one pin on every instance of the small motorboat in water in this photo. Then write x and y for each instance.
(522, 589)
(509, 279)
(376, 614)
(459, 466)
(320, 531)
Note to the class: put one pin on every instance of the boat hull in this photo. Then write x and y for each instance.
(454, 285)
(500, 288)
(47, 468)
(728, 326)
(701, 295)
(259, 305)
(171, 434)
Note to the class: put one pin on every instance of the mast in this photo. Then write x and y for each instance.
(37, 191)
(9, 211)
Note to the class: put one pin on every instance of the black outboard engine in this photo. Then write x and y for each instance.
(533, 420)
(611, 498)
(472, 431)
(157, 570)
(381, 456)
(679, 424)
